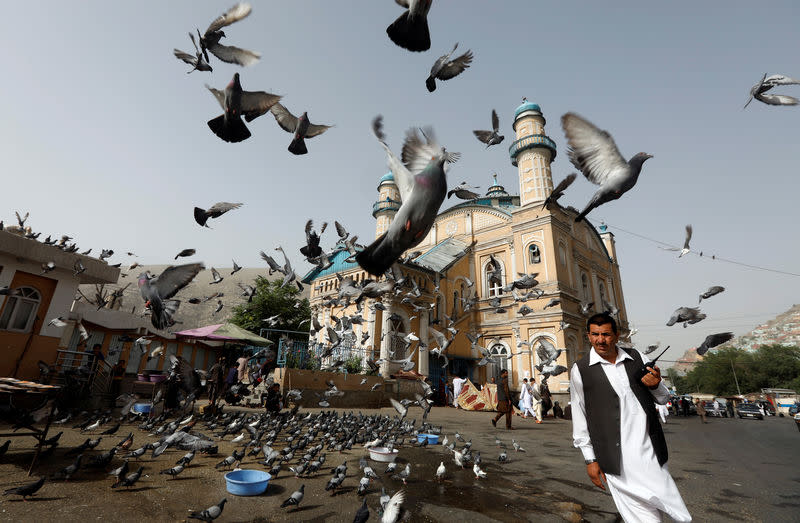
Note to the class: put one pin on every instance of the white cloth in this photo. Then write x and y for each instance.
(663, 412)
(525, 401)
(643, 488)
(458, 383)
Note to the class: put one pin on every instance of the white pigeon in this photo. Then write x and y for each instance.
(392, 511)
(238, 438)
(458, 457)
(440, 471)
(686, 249)
(478, 472)
(57, 322)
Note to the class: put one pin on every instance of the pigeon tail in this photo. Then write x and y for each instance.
(379, 256)
(162, 318)
(200, 217)
(232, 131)
(430, 83)
(410, 32)
(298, 146)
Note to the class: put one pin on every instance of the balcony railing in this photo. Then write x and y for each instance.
(532, 141)
(386, 205)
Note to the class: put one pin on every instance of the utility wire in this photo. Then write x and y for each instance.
(700, 253)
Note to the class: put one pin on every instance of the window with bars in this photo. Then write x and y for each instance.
(20, 310)
(494, 279)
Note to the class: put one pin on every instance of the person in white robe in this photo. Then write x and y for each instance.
(458, 384)
(525, 400)
(644, 489)
(536, 398)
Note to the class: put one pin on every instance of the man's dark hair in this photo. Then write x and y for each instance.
(97, 346)
(504, 371)
(602, 318)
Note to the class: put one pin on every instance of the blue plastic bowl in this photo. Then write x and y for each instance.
(433, 439)
(144, 408)
(247, 482)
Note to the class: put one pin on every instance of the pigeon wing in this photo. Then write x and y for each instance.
(315, 130)
(777, 99)
(483, 136)
(455, 67)
(402, 177)
(418, 149)
(232, 15)
(495, 121)
(234, 55)
(564, 184)
(688, 237)
(592, 150)
(186, 57)
(220, 208)
(219, 95)
(174, 278)
(256, 103)
(286, 120)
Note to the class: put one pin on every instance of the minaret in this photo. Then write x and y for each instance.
(387, 205)
(532, 152)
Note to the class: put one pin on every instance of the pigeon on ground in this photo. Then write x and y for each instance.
(686, 249)
(445, 69)
(759, 91)
(712, 340)
(478, 472)
(300, 127)
(410, 30)
(558, 192)
(690, 315)
(440, 471)
(463, 191)
(295, 498)
(236, 103)
(209, 41)
(391, 512)
(712, 291)
(70, 470)
(157, 291)
(492, 137)
(594, 153)
(362, 514)
(185, 253)
(211, 513)
(201, 216)
(120, 471)
(423, 187)
(26, 490)
(174, 471)
(111, 431)
(197, 61)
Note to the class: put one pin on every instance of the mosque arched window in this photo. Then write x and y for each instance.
(494, 278)
(534, 254)
(499, 354)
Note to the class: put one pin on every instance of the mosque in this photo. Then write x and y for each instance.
(459, 286)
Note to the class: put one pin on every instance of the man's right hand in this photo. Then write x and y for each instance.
(596, 475)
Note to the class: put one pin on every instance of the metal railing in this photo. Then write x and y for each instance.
(82, 368)
(347, 357)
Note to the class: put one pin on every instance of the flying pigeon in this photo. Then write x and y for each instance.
(211, 513)
(759, 91)
(712, 340)
(391, 512)
(423, 187)
(157, 291)
(201, 216)
(445, 69)
(185, 253)
(198, 61)
(463, 191)
(686, 249)
(410, 30)
(492, 137)
(712, 291)
(312, 249)
(236, 103)
(594, 153)
(236, 268)
(300, 127)
(686, 315)
(558, 192)
(216, 276)
(209, 41)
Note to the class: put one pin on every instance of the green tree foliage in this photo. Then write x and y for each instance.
(771, 366)
(269, 300)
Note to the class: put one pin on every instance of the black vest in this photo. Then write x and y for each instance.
(603, 414)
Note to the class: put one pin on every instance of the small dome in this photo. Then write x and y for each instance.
(496, 189)
(388, 177)
(527, 106)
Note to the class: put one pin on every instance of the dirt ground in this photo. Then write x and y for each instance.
(510, 492)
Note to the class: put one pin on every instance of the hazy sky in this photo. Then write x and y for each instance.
(104, 135)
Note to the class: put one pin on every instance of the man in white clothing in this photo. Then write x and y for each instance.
(458, 384)
(615, 424)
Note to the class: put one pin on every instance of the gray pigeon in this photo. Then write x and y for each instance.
(492, 137)
(157, 291)
(209, 41)
(712, 340)
(686, 315)
(686, 249)
(295, 498)
(594, 153)
(759, 91)
(300, 127)
(558, 192)
(211, 513)
(201, 216)
(421, 196)
(463, 191)
(236, 268)
(185, 253)
(410, 30)
(198, 61)
(712, 291)
(236, 103)
(445, 69)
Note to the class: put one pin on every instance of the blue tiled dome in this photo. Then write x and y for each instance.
(526, 106)
(388, 177)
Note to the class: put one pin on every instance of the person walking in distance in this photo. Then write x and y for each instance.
(615, 425)
(701, 410)
(504, 407)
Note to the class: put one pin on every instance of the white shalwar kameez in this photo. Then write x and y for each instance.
(458, 384)
(525, 403)
(643, 488)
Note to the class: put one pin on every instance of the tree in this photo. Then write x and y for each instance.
(270, 300)
(771, 366)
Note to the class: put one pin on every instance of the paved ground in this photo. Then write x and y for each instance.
(727, 470)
